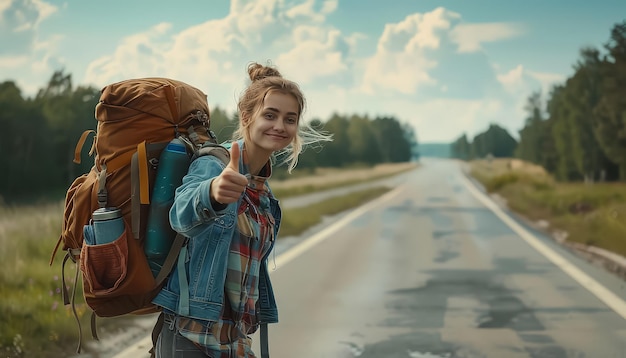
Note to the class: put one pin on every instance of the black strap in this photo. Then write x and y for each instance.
(265, 349)
(155, 333)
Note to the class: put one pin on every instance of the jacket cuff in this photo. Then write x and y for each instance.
(204, 206)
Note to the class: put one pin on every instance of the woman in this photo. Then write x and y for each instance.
(220, 291)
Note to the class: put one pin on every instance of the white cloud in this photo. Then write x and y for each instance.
(469, 37)
(431, 53)
(213, 55)
(19, 21)
(13, 61)
(513, 80)
(45, 9)
(26, 54)
(547, 80)
(402, 62)
(140, 55)
(329, 6)
(321, 51)
(307, 10)
(519, 81)
(4, 4)
(432, 71)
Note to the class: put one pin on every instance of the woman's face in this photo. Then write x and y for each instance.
(276, 124)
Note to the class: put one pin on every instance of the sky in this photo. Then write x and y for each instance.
(447, 68)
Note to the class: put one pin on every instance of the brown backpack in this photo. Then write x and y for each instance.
(136, 118)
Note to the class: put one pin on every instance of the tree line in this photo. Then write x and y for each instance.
(579, 131)
(39, 136)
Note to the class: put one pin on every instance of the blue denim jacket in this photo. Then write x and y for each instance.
(202, 262)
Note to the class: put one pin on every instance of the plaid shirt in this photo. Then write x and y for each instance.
(229, 336)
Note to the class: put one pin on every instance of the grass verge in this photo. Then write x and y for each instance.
(35, 323)
(590, 214)
(297, 220)
(331, 179)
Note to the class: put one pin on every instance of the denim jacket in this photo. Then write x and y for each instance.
(195, 288)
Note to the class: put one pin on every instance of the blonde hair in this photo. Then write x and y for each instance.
(266, 79)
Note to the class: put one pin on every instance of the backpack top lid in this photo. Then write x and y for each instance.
(145, 109)
(128, 98)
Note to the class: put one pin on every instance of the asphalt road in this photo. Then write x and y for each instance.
(435, 269)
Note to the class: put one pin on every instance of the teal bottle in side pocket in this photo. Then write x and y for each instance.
(173, 164)
(106, 226)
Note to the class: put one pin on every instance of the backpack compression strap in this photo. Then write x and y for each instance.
(140, 182)
(265, 349)
(71, 300)
(81, 143)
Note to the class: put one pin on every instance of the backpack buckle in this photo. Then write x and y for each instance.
(102, 198)
(102, 189)
(73, 254)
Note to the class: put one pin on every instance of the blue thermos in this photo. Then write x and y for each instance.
(107, 225)
(172, 167)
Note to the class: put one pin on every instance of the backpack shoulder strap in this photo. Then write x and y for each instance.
(214, 149)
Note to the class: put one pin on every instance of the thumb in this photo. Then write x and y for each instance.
(234, 157)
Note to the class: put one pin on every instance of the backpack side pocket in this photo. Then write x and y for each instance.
(104, 266)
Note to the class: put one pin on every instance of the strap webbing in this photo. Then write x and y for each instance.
(135, 205)
(71, 300)
(144, 184)
(102, 189)
(66, 294)
(265, 349)
(94, 330)
(140, 183)
(155, 333)
(183, 303)
(171, 258)
(80, 144)
(119, 161)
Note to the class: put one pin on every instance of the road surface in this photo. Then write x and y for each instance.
(435, 269)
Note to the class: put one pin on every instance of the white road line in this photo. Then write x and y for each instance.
(140, 348)
(609, 298)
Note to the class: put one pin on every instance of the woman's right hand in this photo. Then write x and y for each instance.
(230, 184)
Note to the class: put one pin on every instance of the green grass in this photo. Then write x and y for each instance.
(591, 214)
(35, 323)
(297, 220)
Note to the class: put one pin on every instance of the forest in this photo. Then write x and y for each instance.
(577, 132)
(39, 136)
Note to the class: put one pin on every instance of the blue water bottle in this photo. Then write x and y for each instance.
(173, 165)
(107, 226)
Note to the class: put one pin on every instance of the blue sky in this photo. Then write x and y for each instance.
(445, 67)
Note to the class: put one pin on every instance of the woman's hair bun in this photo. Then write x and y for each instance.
(257, 72)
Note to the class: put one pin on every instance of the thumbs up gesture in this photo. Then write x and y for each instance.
(230, 184)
